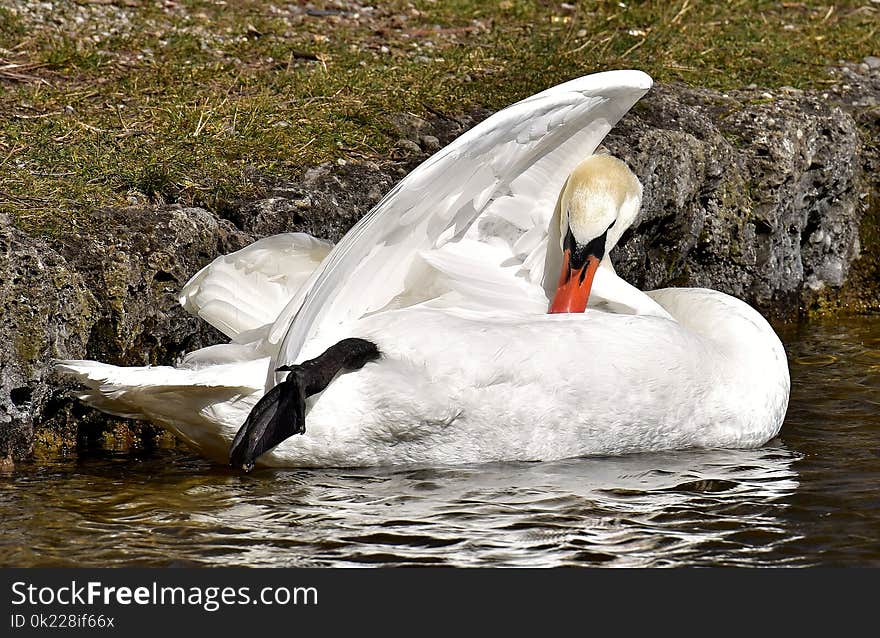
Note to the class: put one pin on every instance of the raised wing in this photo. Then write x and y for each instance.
(245, 290)
(495, 184)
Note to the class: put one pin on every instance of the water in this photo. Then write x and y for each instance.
(810, 497)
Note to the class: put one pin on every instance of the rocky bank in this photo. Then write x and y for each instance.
(771, 196)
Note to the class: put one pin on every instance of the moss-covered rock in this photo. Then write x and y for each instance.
(754, 193)
(109, 293)
(47, 311)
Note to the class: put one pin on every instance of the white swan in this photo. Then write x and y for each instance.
(432, 317)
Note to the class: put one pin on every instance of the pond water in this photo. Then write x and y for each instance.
(810, 497)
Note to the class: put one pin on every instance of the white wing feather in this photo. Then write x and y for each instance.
(247, 289)
(506, 171)
(475, 270)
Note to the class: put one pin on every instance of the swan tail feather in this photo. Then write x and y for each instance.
(204, 407)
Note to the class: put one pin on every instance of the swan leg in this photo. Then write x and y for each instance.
(280, 414)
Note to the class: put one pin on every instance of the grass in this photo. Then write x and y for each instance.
(138, 101)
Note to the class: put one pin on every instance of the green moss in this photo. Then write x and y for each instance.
(156, 181)
(27, 345)
(860, 293)
(65, 53)
(106, 433)
(188, 102)
(48, 443)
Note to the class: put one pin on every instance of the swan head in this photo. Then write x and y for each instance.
(599, 202)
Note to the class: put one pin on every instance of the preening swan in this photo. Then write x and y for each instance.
(474, 315)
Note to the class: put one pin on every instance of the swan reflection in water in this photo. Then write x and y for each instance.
(710, 507)
(699, 507)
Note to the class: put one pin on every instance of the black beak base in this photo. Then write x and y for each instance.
(580, 253)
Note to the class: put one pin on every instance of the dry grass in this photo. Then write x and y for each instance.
(136, 101)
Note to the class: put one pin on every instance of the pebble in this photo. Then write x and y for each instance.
(408, 145)
(430, 143)
(872, 61)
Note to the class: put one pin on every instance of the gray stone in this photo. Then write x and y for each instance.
(337, 197)
(408, 145)
(406, 125)
(135, 263)
(746, 196)
(430, 143)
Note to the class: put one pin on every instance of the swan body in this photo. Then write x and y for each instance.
(449, 279)
(470, 387)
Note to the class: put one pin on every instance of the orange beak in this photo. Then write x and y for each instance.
(573, 290)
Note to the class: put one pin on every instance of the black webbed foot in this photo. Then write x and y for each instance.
(281, 412)
(277, 416)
